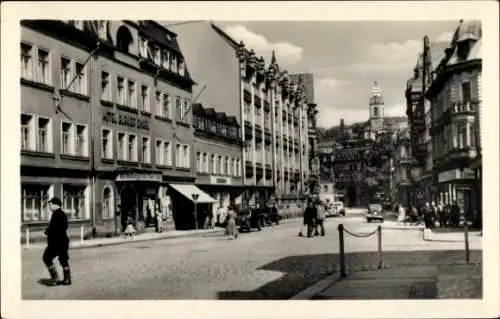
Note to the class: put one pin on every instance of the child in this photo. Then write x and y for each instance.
(130, 230)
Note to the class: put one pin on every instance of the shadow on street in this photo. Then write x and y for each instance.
(301, 272)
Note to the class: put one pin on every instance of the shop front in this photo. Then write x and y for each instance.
(459, 185)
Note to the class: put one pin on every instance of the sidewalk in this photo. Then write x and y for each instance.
(146, 236)
(417, 282)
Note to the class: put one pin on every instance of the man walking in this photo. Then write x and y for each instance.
(57, 243)
(320, 220)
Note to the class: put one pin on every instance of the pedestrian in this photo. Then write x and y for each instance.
(441, 215)
(57, 243)
(159, 219)
(401, 214)
(427, 210)
(447, 215)
(231, 230)
(130, 230)
(455, 214)
(118, 226)
(310, 214)
(320, 220)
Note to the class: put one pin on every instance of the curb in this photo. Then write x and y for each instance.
(317, 288)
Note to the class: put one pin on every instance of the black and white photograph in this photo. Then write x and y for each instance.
(236, 157)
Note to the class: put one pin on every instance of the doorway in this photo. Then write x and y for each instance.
(128, 202)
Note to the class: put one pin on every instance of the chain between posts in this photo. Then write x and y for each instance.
(341, 230)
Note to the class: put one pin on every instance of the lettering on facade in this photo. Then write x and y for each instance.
(125, 120)
(217, 180)
(138, 177)
(466, 173)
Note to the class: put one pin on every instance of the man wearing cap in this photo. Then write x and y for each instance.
(57, 243)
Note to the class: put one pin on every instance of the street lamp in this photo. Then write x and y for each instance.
(195, 198)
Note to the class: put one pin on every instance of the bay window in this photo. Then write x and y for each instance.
(461, 135)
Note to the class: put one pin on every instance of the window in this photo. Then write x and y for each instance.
(143, 47)
(44, 139)
(27, 132)
(107, 203)
(132, 148)
(66, 140)
(178, 155)
(102, 29)
(233, 167)
(238, 167)
(219, 165)
(178, 109)
(186, 157)
(76, 23)
(165, 60)
(80, 83)
(131, 97)
(122, 155)
(43, 69)
(159, 153)
(27, 61)
(156, 55)
(105, 86)
(181, 67)
(34, 203)
(214, 164)
(145, 98)
(81, 140)
(472, 136)
(226, 167)
(186, 111)
(173, 63)
(123, 39)
(166, 105)
(205, 163)
(461, 135)
(146, 153)
(159, 101)
(74, 201)
(199, 167)
(120, 83)
(466, 92)
(107, 144)
(167, 153)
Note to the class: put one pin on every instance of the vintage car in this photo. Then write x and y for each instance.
(248, 218)
(375, 212)
(338, 208)
(272, 216)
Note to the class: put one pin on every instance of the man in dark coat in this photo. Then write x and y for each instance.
(57, 243)
(310, 216)
(455, 214)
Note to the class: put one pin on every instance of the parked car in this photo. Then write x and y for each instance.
(273, 215)
(375, 212)
(339, 208)
(248, 218)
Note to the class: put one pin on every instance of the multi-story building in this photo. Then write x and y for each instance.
(218, 165)
(455, 99)
(271, 111)
(105, 121)
(402, 167)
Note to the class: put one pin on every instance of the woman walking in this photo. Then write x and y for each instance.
(231, 230)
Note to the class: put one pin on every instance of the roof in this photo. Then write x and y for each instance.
(210, 112)
(307, 83)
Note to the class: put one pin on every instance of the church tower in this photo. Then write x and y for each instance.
(376, 109)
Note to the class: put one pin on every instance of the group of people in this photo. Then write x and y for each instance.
(314, 219)
(447, 215)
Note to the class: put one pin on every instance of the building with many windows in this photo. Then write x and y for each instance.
(218, 165)
(105, 121)
(270, 109)
(455, 100)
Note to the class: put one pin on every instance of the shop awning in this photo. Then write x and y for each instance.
(189, 189)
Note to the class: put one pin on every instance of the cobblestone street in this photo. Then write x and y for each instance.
(272, 264)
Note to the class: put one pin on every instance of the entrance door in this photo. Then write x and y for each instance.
(128, 199)
(351, 195)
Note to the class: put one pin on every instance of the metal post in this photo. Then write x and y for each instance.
(195, 198)
(27, 238)
(81, 233)
(342, 256)
(466, 235)
(379, 235)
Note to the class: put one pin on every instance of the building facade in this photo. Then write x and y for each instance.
(105, 122)
(402, 168)
(218, 165)
(271, 111)
(455, 100)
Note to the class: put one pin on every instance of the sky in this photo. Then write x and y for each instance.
(345, 57)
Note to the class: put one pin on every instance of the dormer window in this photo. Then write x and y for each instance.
(173, 63)
(123, 39)
(165, 59)
(143, 47)
(463, 49)
(157, 55)
(181, 67)
(102, 29)
(77, 24)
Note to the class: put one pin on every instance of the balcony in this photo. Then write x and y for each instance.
(464, 109)
(267, 106)
(257, 101)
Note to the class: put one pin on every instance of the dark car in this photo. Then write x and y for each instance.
(273, 216)
(375, 212)
(248, 218)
